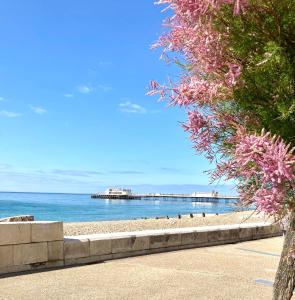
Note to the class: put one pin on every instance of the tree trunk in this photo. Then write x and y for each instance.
(285, 277)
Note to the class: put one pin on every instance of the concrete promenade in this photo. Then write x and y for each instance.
(236, 271)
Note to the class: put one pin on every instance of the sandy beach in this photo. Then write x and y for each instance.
(80, 228)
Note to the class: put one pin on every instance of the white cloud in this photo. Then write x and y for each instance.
(85, 89)
(68, 95)
(5, 166)
(78, 173)
(38, 110)
(103, 63)
(9, 114)
(129, 107)
(104, 88)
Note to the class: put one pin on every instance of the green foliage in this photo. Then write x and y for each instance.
(262, 41)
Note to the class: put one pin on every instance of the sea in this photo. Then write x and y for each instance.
(81, 207)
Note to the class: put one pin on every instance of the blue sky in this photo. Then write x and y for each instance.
(73, 112)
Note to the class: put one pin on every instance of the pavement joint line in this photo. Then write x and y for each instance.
(270, 270)
(264, 282)
(260, 252)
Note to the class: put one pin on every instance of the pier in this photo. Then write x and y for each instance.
(195, 197)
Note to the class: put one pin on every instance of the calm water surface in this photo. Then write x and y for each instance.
(77, 207)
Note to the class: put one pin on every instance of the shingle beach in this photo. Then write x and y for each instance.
(80, 228)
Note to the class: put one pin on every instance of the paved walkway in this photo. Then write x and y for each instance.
(238, 271)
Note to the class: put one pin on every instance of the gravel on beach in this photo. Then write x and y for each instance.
(81, 228)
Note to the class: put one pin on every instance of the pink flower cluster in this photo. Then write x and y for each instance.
(197, 7)
(202, 132)
(265, 166)
(213, 71)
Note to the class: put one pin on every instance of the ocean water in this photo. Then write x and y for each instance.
(78, 208)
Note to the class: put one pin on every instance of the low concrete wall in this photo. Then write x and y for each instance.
(37, 245)
(27, 246)
(100, 247)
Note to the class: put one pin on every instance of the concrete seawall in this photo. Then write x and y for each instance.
(26, 246)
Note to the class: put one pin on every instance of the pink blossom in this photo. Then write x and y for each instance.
(213, 73)
(263, 165)
(268, 165)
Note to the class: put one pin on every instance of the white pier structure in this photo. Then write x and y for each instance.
(116, 193)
